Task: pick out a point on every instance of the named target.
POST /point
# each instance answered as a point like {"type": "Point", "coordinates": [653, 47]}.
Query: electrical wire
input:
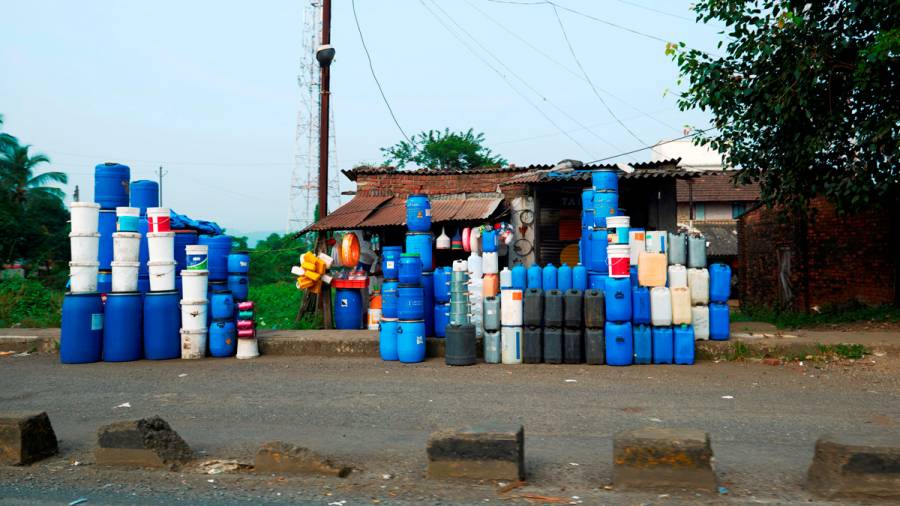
{"type": "Point", "coordinates": [374, 76]}
{"type": "Point", "coordinates": [692, 134]}
{"type": "Point", "coordinates": [651, 9]}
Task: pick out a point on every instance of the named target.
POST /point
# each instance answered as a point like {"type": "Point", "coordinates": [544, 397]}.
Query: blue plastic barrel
{"type": "Point", "coordinates": [410, 302]}
{"type": "Point", "coordinates": [489, 241]}
{"type": "Point", "coordinates": [348, 308]}
{"type": "Point", "coordinates": [390, 261]}
{"type": "Point", "coordinates": [587, 200]}
{"type": "Point", "coordinates": [719, 283]}
{"type": "Point", "coordinates": [410, 268]}
{"type": "Point", "coordinates": [519, 277]}
{"type": "Point", "coordinates": [144, 194]}
{"type": "Point", "coordinates": [441, 319]}
{"type": "Point", "coordinates": [606, 204]}
{"type": "Point", "coordinates": [663, 345]}
{"type": "Point", "coordinates": [111, 185]}
{"type": "Point", "coordinates": [143, 249]}
{"type": "Point", "coordinates": [587, 217]}
{"type": "Point", "coordinates": [598, 258]}
{"type": "Point", "coordinates": [183, 238]}
{"type": "Point", "coordinates": [619, 343]}
{"type": "Point", "coordinates": [122, 327]}
{"type": "Point", "coordinates": [162, 321]}
{"type": "Point", "coordinates": [221, 304]}
{"type": "Point", "coordinates": [442, 276]}
{"type": "Point", "coordinates": [597, 281]}
{"type": "Point", "coordinates": [222, 338]}
{"type": "Point", "coordinates": [418, 213]}
{"type": "Point", "coordinates": [618, 299]}
{"type": "Point", "coordinates": [633, 275]}
{"type": "Point", "coordinates": [389, 298]}
{"type": "Point", "coordinates": [643, 344]}
{"type": "Point", "coordinates": [549, 277]}
{"type": "Point", "coordinates": [219, 248]}
{"type": "Point", "coordinates": [579, 277]}
{"type": "Point", "coordinates": [421, 243]}
{"type": "Point", "coordinates": [605, 180]}
{"type": "Point", "coordinates": [238, 262]}
{"type": "Point", "coordinates": [428, 302]}
{"type": "Point", "coordinates": [143, 284]}
{"type": "Point", "coordinates": [564, 278]}
{"type": "Point", "coordinates": [104, 281]}
{"type": "Point", "coordinates": [411, 341]}
{"type": "Point", "coordinates": [239, 284]}
{"type": "Point", "coordinates": [640, 305]}
{"type": "Point", "coordinates": [535, 276]}
{"type": "Point", "coordinates": [107, 227]}
{"type": "Point", "coordinates": [387, 339]}
{"type": "Point", "coordinates": [684, 345]}
{"type": "Point", "coordinates": [81, 336]}
{"type": "Point", "coordinates": [719, 328]}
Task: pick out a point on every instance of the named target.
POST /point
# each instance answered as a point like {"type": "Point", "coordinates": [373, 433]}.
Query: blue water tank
{"type": "Point", "coordinates": [239, 284]}
{"type": "Point", "coordinates": [219, 247]}
{"type": "Point", "coordinates": [618, 299]}
{"type": "Point", "coordinates": [535, 275]}
{"type": "Point", "coordinates": [107, 227]}
{"type": "Point", "coordinates": [390, 261]}
{"type": "Point", "coordinates": [663, 345]}
{"type": "Point", "coordinates": [122, 327]}
{"type": "Point", "coordinates": [221, 304]}
{"type": "Point", "coordinates": [222, 338]}
{"type": "Point", "coordinates": [605, 205]}
{"type": "Point", "coordinates": [144, 194]}
{"type": "Point", "coordinates": [348, 309]}
{"type": "Point", "coordinates": [564, 278]}
{"type": "Point", "coordinates": [605, 180]}
{"type": "Point", "coordinates": [619, 343]}
{"type": "Point", "coordinates": [183, 238]}
{"type": "Point", "coordinates": [81, 335]}
{"type": "Point", "coordinates": [410, 302]}
{"type": "Point", "coordinates": [597, 281]}
{"type": "Point", "coordinates": [579, 277]}
{"type": "Point", "coordinates": [410, 268]}
{"type": "Point", "coordinates": [549, 277]}
{"type": "Point", "coordinates": [442, 277]}
{"type": "Point", "coordinates": [418, 213]}
{"type": "Point", "coordinates": [387, 339]}
{"type": "Point", "coordinates": [441, 319]}
{"type": "Point", "coordinates": [411, 341]}
{"type": "Point", "coordinates": [519, 277]}
{"type": "Point", "coordinates": [389, 298]}
{"type": "Point", "coordinates": [599, 242]}
{"type": "Point", "coordinates": [640, 305]}
{"type": "Point", "coordinates": [684, 345]}
{"type": "Point", "coordinates": [643, 344]}
{"type": "Point", "coordinates": [104, 281]}
{"type": "Point", "coordinates": [489, 241]}
{"type": "Point", "coordinates": [422, 244]}
{"type": "Point", "coordinates": [428, 302]}
{"type": "Point", "coordinates": [162, 321]}
{"type": "Point", "coordinates": [238, 262]}
{"type": "Point", "coordinates": [719, 283]}
{"type": "Point", "coordinates": [719, 328]}
{"type": "Point", "coordinates": [111, 185]}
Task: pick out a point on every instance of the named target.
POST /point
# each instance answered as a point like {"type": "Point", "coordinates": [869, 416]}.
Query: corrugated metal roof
{"type": "Point", "coordinates": [383, 211]}
{"type": "Point", "coordinates": [367, 170]}
{"type": "Point", "coordinates": [716, 186]}
{"type": "Point", "coordinates": [644, 170]}
{"type": "Point", "coordinates": [350, 214]}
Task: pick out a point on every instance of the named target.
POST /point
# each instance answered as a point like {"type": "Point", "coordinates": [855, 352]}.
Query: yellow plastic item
{"type": "Point", "coordinates": [308, 266]}
{"type": "Point", "coordinates": [305, 283]}
{"type": "Point", "coordinates": [681, 305]}
{"type": "Point", "coordinates": [652, 269]}
{"type": "Point", "coordinates": [313, 275]}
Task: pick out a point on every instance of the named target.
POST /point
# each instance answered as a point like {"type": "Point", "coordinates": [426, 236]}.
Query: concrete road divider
{"type": "Point", "coordinates": [856, 466]}
{"type": "Point", "coordinates": [284, 458]}
{"type": "Point", "coordinates": [26, 438]}
{"type": "Point", "coordinates": [489, 452]}
{"type": "Point", "coordinates": [654, 458]}
{"type": "Point", "coordinates": [148, 442]}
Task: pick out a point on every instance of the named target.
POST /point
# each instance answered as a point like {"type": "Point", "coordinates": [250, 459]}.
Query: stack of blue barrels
{"type": "Point", "coordinates": [111, 183]}
{"type": "Point", "coordinates": [387, 329]}
{"type": "Point", "coordinates": [221, 313]}
{"type": "Point", "coordinates": [420, 241]}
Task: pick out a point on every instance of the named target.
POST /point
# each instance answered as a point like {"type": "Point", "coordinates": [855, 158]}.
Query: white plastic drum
{"type": "Point", "coordinates": [126, 246]}
{"type": "Point", "coordinates": [490, 262]}
{"type": "Point", "coordinates": [677, 276]}
{"type": "Point", "coordinates": [511, 345]}
{"type": "Point", "coordinates": [193, 344]}
{"type": "Point", "coordinates": [124, 276]}
{"type": "Point", "coordinates": [85, 217]}
{"type": "Point", "coordinates": [85, 246]}
{"type": "Point", "coordinates": [194, 284]}
{"type": "Point", "coordinates": [193, 314]}
{"type": "Point", "coordinates": [161, 246]}
{"type": "Point", "coordinates": [83, 276]}
{"type": "Point", "coordinates": [511, 307]}
{"type": "Point", "coordinates": [162, 276]}
{"type": "Point", "coordinates": [660, 306]}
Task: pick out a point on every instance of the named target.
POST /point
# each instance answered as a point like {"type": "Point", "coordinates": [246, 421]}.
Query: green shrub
{"type": "Point", "coordinates": [28, 303]}
{"type": "Point", "coordinates": [276, 306]}
{"type": "Point", "coordinates": [826, 316]}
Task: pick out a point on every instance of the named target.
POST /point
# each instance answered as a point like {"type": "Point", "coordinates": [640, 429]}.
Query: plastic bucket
{"type": "Point", "coordinates": [617, 229]}
{"type": "Point", "coordinates": [194, 284]}
{"type": "Point", "coordinates": [85, 246]}
{"type": "Point", "coordinates": [126, 246]}
{"type": "Point", "coordinates": [162, 276]}
{"type": "Point", "coordinates": [619, 257]}
{"type": "Point", "coordinates": [161, 246]}
{"type": "Point", "coordinates": [197, 257]}
{"type": "Point", "coordinates": [158, 219]}
{"type": "Point", "coordinates": [247, 347]}
{"type": "Point", "coordinates": [128, 219]}
{"type": "Point", "coordinates": [85, 217]}
{"type": "Point", "coordinates": [193, 315]}
{"type": "Point", "coordinates": [193, 342]}
{"type": "Point", "coordinates": [124, 276]}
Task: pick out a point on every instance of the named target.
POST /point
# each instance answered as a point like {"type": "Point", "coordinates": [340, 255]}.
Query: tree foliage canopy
{"type": "Point", "coordinates": [443, 150]}
{"type": "Point", "coordinates": [806, 98]}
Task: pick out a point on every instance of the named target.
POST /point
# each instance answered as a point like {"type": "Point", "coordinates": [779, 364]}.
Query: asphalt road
{"type": "Point", "coordinates": [763, 421]}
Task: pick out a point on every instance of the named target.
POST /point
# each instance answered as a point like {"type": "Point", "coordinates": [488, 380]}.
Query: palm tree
{"type": "Point", "coordinates": [17, 173]}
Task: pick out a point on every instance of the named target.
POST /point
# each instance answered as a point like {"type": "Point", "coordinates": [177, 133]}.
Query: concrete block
{"type": "Point", "coordinates": [148, 442]}
{"type": "Point", "coordinates": [653, 457]}
{"type": "Point", "coordinates": [856, 465]}
{"type": "Point", "coordinates": [284, 458]}
{"type": "Point", "coordinates": [488, 452]}
{"type": "Point", "coordinates": [26, 438]}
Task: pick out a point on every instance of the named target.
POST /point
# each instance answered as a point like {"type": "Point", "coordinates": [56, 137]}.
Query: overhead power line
{"type": "Point", "coordinates": [658, 11]}
{"type": "Point", "coordinates": [633, 151]}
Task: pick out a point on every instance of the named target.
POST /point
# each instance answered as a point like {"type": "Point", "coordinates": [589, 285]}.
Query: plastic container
{"type": "Point", "coordinates": [573, 314]}
{"type": "Point", "coordinates": [411, 341]}
{"type": "Point", "coordinates": [584, 246]}
{"type": "Point", "coordinates": [111, 185]}
{"type": "Point", "coordinates": [719, 324]}
{"type": "Point", "coordinates": [594, 309]}
{"type": "Point", "coordinates": [85, 217]}
{"type": "Point", "coordinates": [81, 334]}
{"type": "Point", "coordinates": [619, 343]}
{"type": "Point", "coordinates": [158, 219]}
{"type": "Point", "coordinates": [719, 282]}
{"type": "Point", "coordinates": [681, 305]}
{"type": "Point", "coordinates": [421, 243]}
{"type": "Point", "coordinates": [239, 284]}
{"type": "Point", "coordinates": [247, 325]}
{"type": "Point", "coordinates": [84, 247]}
{"type": "Point", "coordinates": [532, 343]}
{"type": "Point", "coordinates": [490, 262]}
{"type": "Point", "coordinates": [605, 180]}
{"type": "Point", "coordinates": [144, 194]}
{"type": "Point", "coordinates": [238, 262]}
{"type": "Point", "coordinates": [125, 276]}
{"type": "Point", "coordinates": [597, 281]}
{"type": "Point", "coordinates": [594, 346]}
{"type": "Point", "coordinates": [518, 278]}
{"type": "Point", "coordinates": [550, 277]}
{"type": "Point", "coordinates": [677, 251]}
{"type": "Point", "coordinates": [104, 281]}
{"type": "Point", "coordinates": [83, 277]}
{"type": "Point", "coordinates": [106, 225]}
{"type": "Point", "coordinates": [643, 344]}
{"type": "Point", "coordinates": [652, 269]}
{"type": "Point", "coordinates": [700, 322]}
{"type": "Point", "coordinates": [410, 268]}
{"type": "Point", "coordinates": [635, 245]}
{"type": "Point", "coordinates": [387, 339]}
{"type": "Point", "coordinates": [579, 277]}
{"type": "Point", "coordinates": [442, 284]}
{"type": "Point", "coordinates": [684, 345]}
{"type": "Point", "coordinates": [193, 343]}
{"type": "Point", "coordinates": [573, 344]}
{"type": "Point", "coordinates": [222, 338]}
{"type": "Point", "coordinates": [663, 345]}
{"type": "Point", "coordinates": [606, 204]}
{"type": "Point", "coordinates": [428, 302]}
{"type": "Point", "coordinates": [418, 213]}
{"type": "Point", "coordinates": [411, 302]}
{"type": "Point", "coordinates": [619, 257]}
{"type": "Point", "coordinates": [640, 305]}
{"type": "Point", "coordinates": [660, 306]}
{"type": "Point", "coordinates": [618, 299]}
{"type": "Point", "coordinates": [126, 246]}
{"type": "Point", "coordinates": [441, 319]}
{"type": "Point", "coordinates": [247, 347]}
{"type": "Point", "coordinates": [553, 345]}
{"type": "Point", "coordinates": [698, 282]}
{"type": "Point", "coordinates": [347, 309]}
{"type": "Point", "coordinates": [128, 219]}
{"type": "Point", "coordinates": [161, 246]}
{"type": "Point", "coordinates": [162, 275]}
{"type": "Point", "coordinates": [599, 261]}
{"type": "Point", "coordinates": [218, 248]}
{"type": "Point", "coordinates": [123, 327]}
{"type": "Point", "coordinates": [677, 276]}
{"type": "Point", "coordinates": [553, 308]}
{"type": "Point", "coordinates": [533, 311]}
{"type": "Point", "coordinates": [696, 251]}
{"type": "Point", "coordinates": [617, 228]}
{"type": "Point", "coordinates": [194, 284]}
{"type": "Point", "coordinates": [511, 308]}
{"type": "Point", "coordinates": [389, 298]}
{"type": "Point", "coordinates": [490, 285]}
{"type": "Point", "coordinates": [197, 257]}
{"type": "Point", "coordinates": [633, 275]}
{"type": "Point", "coordinates": [459, 348]}
{"type": "Point", "coordinates": [511, 345]}
{"type": "Point", "coordinates": [460, 266]}
{"type": "Point", "coordinates": [564, 278]}
{"type": "Point", "coordinates": [506, 278]}
{"type": "Point", "coordinates": [489, 241]}
{"type": "Point", "coordinates": [221, 304]}
{"type": "Point", "coordinates": [491, 313]}
{"type": "Point", "coordinates": [492, 340]}
{"type": "Point", "coordinates": [390, 261]}
{"type": "Point", "coordinates": [535, 277]}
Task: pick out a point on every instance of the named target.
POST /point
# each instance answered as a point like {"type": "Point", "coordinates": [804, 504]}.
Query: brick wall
{"type": "Point", "coordinates": [405, 183]}
{"type": "Point", "coordinates": [835, 259]}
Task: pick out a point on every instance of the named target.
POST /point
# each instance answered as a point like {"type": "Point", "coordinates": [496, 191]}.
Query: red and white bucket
{"type": "Point", "coordinates": [619, 257]}
{"type": "Point", "coordinates": [158, 219]}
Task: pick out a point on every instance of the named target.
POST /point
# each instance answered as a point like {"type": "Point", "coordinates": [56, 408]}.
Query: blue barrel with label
{"type": "Point", "coordinates": [389, 298]}
{"type": "Point", "coordinates": [643, 344]}
{"type": "Point", "coordinates": [390, 261]}
{"type": "Point", "coordinates": [605, 180]}
{"type": "Point", "coordinates": [684, 345]}
{"type": "Point", "coordinates": [81, 335]}
{"type": "Point", "coordinates": [719, 327]}
{"type": "Point", "coordinates": [410, 268]}
{"type": "Point", "coordinates": [719, 283]}
{"type": "Point", "coordinates": [387, 339]}
{"type": "Point", "coordinates": [441, 319]}
{"type": "Point", "coordinates": [422, 244]}
{"type": "Point", "coordinates": [418, 213]}
{"type": "Point", "coordinates": [104, 281]}
{"type": "Point", "coordinates": [663, 345]}
{"type": "Point", "coordinates": [238, 262]}
{"type": "Point", "coordinates": [219, 246]}
{"type": "Point", "coordinates": [535, 276]}
{"type": "Point", "coordinates": [411, 341]}
{"type": "Point", "coordinates": [606, 204]}
{"type": "Point", "coordinates": [183, 239]}
{"type": "Point", "coordinates": [111, 185]}
{"type": "Point", "coordinates": [640, 305]}
{"type": "Point", "coordinates": [618, 299]}
{"type": "Point", "coordinates": [410, 302]}
{"type": "Point", "coordinates": [221, 304]}
{"type": "Point", "coordinates": [122, 327]}
{"type": "Point", "coordinates": [598, 258]}
{"type": "Point", "coordinates": [549, 277]}
{"type": "Point", "coordinates": [348, 309]}
{"type": "Point", "coordinates": [162, 324]}
{"type": "Point", "coordinates": [107, 227]}
{"type": "Point", "coordinates": [619, 343]}
{"type": "Point", "coordinates": [239, 284]}
{"type": "Point", "coordinates": [222, 338]}
{"type": "Point", "coordinates": [428, 302]}
{"type": "Point", "coordinates": [144, 194]}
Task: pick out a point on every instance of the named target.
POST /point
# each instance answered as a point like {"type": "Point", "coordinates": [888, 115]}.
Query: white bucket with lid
{"type": "Point", "coordinates": [126, 246]}
{"type": "Point", "coordinates": [124, 276]}
{"type": "Point", "coordinates": [85, 246]}
{"type": "Point", "coordinates": [193, 344]}
{"type": "Point", "coordinates": [490, 262]}
{"type": "Point", "coordinates": [194, 284]}
{"type": "Point", "coordinates": [197, 257]}
{"type": "Point", "coordinates": [511, 307]}
{"type": "Point", "coordinates": [128, 219]}
{"type": "Point", "coordinates": [161, 246]}
{"type": "Point", "coordinates": [617, 228]}
{"type": "Point", "coordinates": [85, 217]}
{"type": "Point", "coordinates": [193, 314]}
{"type": "Point", "coordinates": [162, 275]}
{"type": "Point", "coordinates": [83, 276]}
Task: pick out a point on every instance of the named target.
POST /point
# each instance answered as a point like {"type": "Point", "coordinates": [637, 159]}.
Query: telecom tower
{"type": "Point", "coordinates": [304, 184]}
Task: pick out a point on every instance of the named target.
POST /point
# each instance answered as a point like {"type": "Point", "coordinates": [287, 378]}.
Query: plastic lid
{"type": "Point", "coordinates": [160, 263]}
{"type": "Point", "coordinates": [160, 234]}
{"type": "Point", "coordinates": [87, 234]}
{"type": "Point", "coordinates": [84, 204]}
{"type": "Point", "coordinates": [158, 210]}
{"type": "Point", "coordinates": [410, 255]}
{"type": "Point", "coordinates": [188, 302]}
{"type": "Point", "coordinates": [128, 211]}
{"type": "Point", "coordinates": [84, 264]}
{"type": "Point", "coordinates": [131, 235]}
{"type": "Point", "coordinates": [195, 273]}
{"type": "Point", "coordinates": [116, 263]}
{"type": "Point", "coordinates": [194, 331]}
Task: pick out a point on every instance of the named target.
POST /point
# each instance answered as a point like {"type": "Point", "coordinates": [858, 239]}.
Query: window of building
{"type": "Point", "coordinates": [737, 209]}
{"type": "Point", "coordinates": [699, 211]}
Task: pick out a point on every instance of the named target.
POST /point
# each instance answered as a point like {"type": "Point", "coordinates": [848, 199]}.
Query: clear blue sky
{"type": "Point", "coordinates": [208, 88]}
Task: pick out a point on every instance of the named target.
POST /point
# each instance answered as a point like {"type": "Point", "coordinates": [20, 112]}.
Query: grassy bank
{"type": "Point", "coordinates": [28, 303]}
{"type": "Point", "coordinates": [276, 307]}
{"type": "Point", "coordinates": [827, 316]}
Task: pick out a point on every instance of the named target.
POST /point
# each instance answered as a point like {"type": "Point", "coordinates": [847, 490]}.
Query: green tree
{"type": "Point", "coordinates": [443, 150]}
{"type": "Point", "coordinates": [805, 99]}
{"type": "Point", "coordinates": [17, 174]}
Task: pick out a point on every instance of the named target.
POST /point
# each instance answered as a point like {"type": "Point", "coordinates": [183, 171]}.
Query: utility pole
{"type": "Point", "coordinates": [160, 173]}
{"type": "Point", "coordinates": [324, 55]}
{"type": "Point", "coordinates": [75, 196]}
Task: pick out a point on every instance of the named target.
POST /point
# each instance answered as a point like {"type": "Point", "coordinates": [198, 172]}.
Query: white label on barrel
{"type": "Point", "coordinates": [345, 303]}
{"type": "Point", "coordinates": [428, 212]}
{"type": "Point", "coordinates": [390, 264]}
{"type": "Point", "coordinates": [243, 264]}
{"type": "Point", "coordinates": [97, 321]}
{"type": "Point", "coordinates": [419, 340]}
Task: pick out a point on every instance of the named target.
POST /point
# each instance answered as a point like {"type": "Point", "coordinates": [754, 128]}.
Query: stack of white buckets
{"type": "Point", "coordinates": [85, 243]}
{"type": "Point", "coordinates": [126, 250]}
{"type": "Point", "coordinates": [194, 304]}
